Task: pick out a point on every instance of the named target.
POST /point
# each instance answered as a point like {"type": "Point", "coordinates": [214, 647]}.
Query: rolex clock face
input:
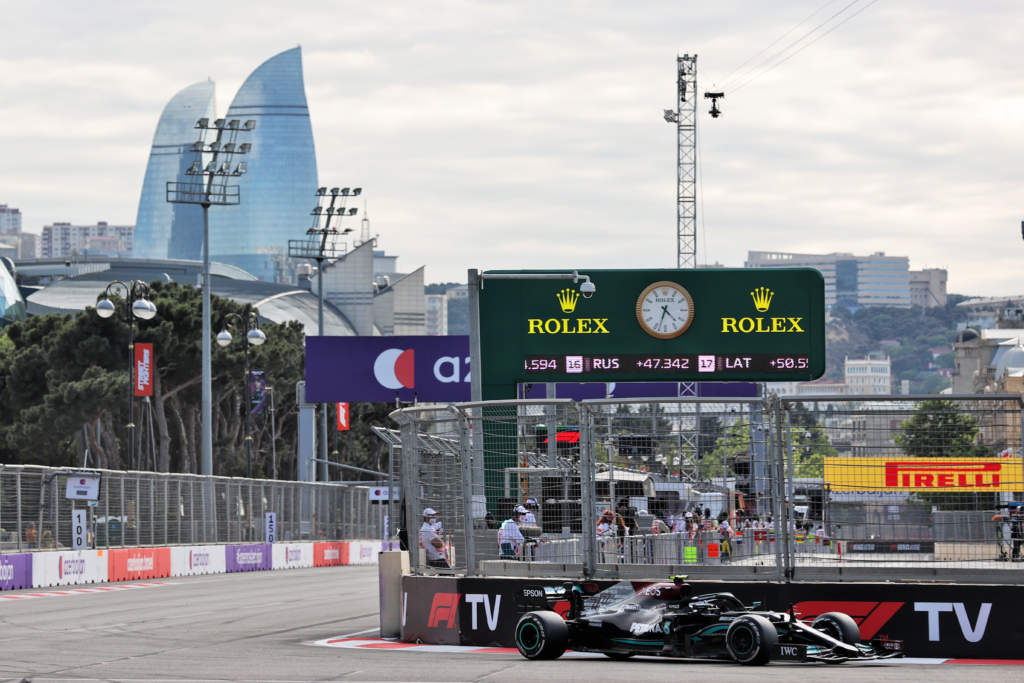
{"type": "Point", "coordinates": [664, 309]}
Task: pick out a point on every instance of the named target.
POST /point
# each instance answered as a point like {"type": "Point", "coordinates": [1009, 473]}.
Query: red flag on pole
{"type": "Point", "coordinates": [342, 417]}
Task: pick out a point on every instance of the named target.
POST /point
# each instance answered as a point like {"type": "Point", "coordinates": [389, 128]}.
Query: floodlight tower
{"type": "Point", "coordinates": [321, 245]}
{"type": "Point", "coordinates": [210, 185]}
{"type": "Point", "coordinates": [685, 117]}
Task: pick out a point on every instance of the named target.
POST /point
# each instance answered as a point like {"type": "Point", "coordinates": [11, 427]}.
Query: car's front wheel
{"type": "Point", "coordinates": [751, 639]}
{"type": "Point", "coordinates": [840, 626]}
{"type": "Point", "coordinates": [541, 635]}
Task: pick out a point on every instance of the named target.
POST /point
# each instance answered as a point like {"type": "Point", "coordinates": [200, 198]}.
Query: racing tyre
{"type": "Point", "coordinates": [541, 635]}
{"type": "Point", "coordinates": [840, 626]}
{"type": "Point", "coordinates": [751, 639]}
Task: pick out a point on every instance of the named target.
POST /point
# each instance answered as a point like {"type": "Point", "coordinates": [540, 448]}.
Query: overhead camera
{"type": "Point", "coordinates": [587, 289]}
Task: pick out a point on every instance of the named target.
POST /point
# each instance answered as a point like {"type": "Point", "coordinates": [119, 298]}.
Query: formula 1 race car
{"type": "Point", "coordinates": [665, 620]}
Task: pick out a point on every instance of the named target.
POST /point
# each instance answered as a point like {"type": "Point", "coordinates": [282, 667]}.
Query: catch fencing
{"type": "Point", "coordinates": [778, 482]}
{"type": "Point", "coordinates": [151, 508]}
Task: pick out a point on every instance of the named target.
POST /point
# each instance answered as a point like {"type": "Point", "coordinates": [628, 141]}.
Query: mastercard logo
{"type": "Point", "coordinates": [396, 368]}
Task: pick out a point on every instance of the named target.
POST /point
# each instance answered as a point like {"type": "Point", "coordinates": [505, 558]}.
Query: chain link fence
{"type": "Point", "coordinates": [789, 483]}
{"type": "Point", "coordinates": [148, 508]}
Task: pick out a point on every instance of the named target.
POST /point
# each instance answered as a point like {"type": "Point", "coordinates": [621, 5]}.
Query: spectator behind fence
{"type": "Point", "coordinates": [31, 535]}
{"type": "Point", "coordinates": [530, 519]}
{"type": "Point", "coordinates": [510, 538]}
{"type": "Point", "coordinates": [1017, 531]}
{"type": "Point", "coordinates": [431, 542]}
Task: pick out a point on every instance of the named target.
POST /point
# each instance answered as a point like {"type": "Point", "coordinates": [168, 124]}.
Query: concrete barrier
{"type": "Point", "coordinates": [15, 571]}
{"type": "Point", "coordinates": [69, 567]}
{"type": "Point", "coordinates": [330, 554]}
{"type": "Point", "coordinates": [247, 558]}
{"type": "Point", "coordinates": [932, 620]}
{"type": "Point", "coordinates": [195, 560]}
{"type": "Point", "coordinates": [131, 564]}
{"type": "Point", "coordinates": [292, 555]}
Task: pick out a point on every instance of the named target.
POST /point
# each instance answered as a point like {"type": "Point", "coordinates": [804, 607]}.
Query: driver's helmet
{"type": "Point", "coordinates": [662, 591]}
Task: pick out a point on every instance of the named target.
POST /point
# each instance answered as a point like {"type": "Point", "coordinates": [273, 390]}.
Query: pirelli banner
{"type": "Point", "coordinates": [976, 475]}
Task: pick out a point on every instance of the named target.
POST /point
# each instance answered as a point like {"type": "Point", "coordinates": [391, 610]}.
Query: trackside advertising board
{"type": "Point", "coordinates": [948, 620]}
{"type": "Point", "coordinates": [350, 369]}
{"type": "Point", "coordinates": [643, 325]}
{"type": "Point", "coordinates": [924, 474]}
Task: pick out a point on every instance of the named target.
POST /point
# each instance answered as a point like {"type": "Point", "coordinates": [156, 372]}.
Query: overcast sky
{"type": "Point", "coordinates": [530, 134]}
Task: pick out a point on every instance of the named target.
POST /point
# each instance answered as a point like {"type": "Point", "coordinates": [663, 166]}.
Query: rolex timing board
{"type": "Point", "coordinates": [643, 325]}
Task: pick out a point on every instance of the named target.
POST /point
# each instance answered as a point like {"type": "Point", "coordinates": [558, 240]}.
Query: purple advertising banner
{"type": "Point", "coordinates": [247, 558]}
{"type": "Point", "coordinates": [425, 368]}
{"type": "Point", "coordinates": [436, 369]}
{"type": "Point", "coordinates": [15, 571]}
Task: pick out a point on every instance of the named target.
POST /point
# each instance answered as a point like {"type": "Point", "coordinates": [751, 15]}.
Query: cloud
{"type": "Point", "coordinates": [528, 134]}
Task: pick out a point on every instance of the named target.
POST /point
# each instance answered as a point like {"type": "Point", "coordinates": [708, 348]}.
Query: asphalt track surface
{"type": "Point", "coordinates": [263, 626]}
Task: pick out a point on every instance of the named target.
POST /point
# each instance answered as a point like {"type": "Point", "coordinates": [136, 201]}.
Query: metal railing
{"type": "Point", "coordinates": [802, 482]}
{"type": "Point", "coordinates": [149, 508]}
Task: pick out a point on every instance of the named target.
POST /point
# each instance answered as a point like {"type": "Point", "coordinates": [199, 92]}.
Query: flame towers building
{"type": "Point", "coordinates": [276, 191]}
{"type": "Point", "coordinates": [165, 230]}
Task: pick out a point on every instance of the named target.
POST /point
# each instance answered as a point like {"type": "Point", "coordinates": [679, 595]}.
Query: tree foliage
{"type": "Point", "coordinates": [939, 430]}
{"type": "Point", "coordinates": [64, 389]}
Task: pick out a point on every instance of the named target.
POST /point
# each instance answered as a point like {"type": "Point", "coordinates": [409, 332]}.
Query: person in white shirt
{"type": "Point", "coordinates": [529, 519]}
{"type": "Point", "coordinates": [510, 538]}
{"type": "Point", "coordinates": [431, 542]}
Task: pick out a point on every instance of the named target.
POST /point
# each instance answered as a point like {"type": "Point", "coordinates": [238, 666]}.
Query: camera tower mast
{"type": "Point", "coordinates": [685, 117]}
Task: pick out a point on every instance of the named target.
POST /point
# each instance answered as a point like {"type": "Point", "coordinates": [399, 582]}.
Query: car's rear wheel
{"type": "Point", "coordinates": [840, 626]}
{"type": "Point", "coordinates": [751, 639]}
{"type": "Point", "coordinates": [541, 635]}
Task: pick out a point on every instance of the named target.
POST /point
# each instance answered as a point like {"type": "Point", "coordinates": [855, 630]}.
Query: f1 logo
{"type": "Point", "coordinates": [445, 607]}
{"type": "Point", "coordinates": [342, 420]}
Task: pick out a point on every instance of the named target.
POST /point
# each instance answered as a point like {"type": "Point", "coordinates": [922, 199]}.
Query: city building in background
{"type": "Point", "coordinates": [10, 220]}
{"type": "Point", "coordinates": [61, 240]}
{"type": "Point", "coordinates": [278, 188]}
{"type": "Point", "coordinates": [60, 287]}
{"type": "Point", "coordinates": [928, 287]}
{"type": "Point", "coordinates": [12, 305]}
{"type": "Point", "coordinates": [166, 230]}
{"type": "Point", "coordinates": [14, 243]}
{"type": "Point", "coordinates": [399, 304]}
{"type": "Point", "coordinates": [850, 281]}
{"type": "Point", "coordinates": [436, 321]}
{"type": "Point", "coordinates": [871, 375]}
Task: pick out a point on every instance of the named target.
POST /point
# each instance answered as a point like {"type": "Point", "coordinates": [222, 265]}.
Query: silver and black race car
{"type": "Point", "coordinates": [666, 620]}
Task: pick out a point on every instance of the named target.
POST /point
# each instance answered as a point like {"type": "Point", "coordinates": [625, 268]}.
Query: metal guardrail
{"type": "Point", "coordinates": [803, 482]}
{"type": "Point", "coordinates": [150, 508]}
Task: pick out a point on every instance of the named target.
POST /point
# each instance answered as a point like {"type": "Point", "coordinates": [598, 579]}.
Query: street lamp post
{"type": "Point", "coordinates": [254, 337]}
{"type": "Point", "coordinates": [211, 188]}
{"type": "Point", "coordinates": [320, 245]}
{"type": "Point", "coordinates": [136, 306]}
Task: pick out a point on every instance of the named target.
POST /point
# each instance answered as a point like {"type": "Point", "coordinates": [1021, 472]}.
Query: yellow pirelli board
{"type": "Point", "coordinates": [924, 474]}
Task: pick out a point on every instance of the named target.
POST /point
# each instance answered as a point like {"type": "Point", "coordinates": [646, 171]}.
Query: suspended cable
{"type": "Point", "coordinates": [725, 79]}
{"type": "Point", "coordinates": [807, 44]}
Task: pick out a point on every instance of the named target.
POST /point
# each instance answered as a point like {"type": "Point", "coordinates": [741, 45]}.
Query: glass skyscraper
{"type": "Point", "coordinates": [164, 230]}
{"type": "Point", "coordinates": [277, 192]}
{"type": "Point", "coordinates": [12, 306]}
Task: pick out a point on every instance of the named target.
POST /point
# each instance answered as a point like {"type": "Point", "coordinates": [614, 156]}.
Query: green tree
{"type": "Point", "coordinates": [64, 386]}
{"type": "Point", "coordinates": [939, 430]}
